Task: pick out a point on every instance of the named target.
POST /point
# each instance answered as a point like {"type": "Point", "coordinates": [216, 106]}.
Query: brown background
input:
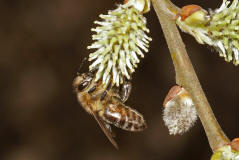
{"type": "Point", "coordinates": [42, 44]}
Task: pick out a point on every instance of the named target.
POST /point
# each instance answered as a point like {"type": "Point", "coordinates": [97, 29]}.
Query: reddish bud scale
{"type": "Point", "coordinates": [126, 1]}
{"type": "Point", "coordinates": [235, 144]}
{"type": "Point", "coordinates": [172, 94]}
{"type": "Point", "coordinates": [188, 11]}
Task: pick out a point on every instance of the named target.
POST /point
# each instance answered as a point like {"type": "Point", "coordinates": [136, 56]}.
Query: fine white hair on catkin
{"type": "Point", "coordinates": [179, 114]}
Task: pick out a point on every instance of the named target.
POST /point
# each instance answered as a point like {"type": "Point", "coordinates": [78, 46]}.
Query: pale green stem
{"type": "Point", "coordinates": [185, 74]}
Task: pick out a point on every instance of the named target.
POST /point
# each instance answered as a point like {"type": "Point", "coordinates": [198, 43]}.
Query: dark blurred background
{"type": "Point", "coordinates": [42, 44]}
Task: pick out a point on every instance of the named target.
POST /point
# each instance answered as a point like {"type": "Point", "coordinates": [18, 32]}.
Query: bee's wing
{"type": "Point", "coordinates": [109, 128]}
{"type": "Point", "coordinates": [105, 129]}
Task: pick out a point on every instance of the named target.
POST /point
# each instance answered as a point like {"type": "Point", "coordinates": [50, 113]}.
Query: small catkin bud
{"type": "Point", "coordinates": [179, 112]}
{"type": "Point", "coordinates": [225, 153]}
{"type": "Point", "coordinates": [191, 12]}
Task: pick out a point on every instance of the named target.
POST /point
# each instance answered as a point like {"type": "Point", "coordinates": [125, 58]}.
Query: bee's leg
{"type": "Point", "coordinates": [105, 92]}
{"type": "Point", "coordinates": [107, 125]}
{"type": "Point", "coordinates": [109, 128]}
{"type": "Point", "coordinates": [92, 89]}
{"type": "Point", "coordinates": [109, 86]}
{"type": "Point", "coordinates": [125, 90]}
{"type": "Point", "coordinates": [103, 96]}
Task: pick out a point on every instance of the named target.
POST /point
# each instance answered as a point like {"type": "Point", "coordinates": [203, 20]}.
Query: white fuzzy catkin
{"type": "Point", "coordinates": [179, 113]}
{"type": "Point", "coordinates": [120, 39]}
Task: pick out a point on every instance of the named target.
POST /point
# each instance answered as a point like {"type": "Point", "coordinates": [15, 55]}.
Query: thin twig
{"type": "Point", "coordinates": [185, 74]}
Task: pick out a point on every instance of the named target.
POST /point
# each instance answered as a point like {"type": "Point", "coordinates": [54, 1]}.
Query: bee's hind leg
{"type": "Point", "coordinates": [125, 90]}
{"type": "Point", "coordinates": [109, 128]}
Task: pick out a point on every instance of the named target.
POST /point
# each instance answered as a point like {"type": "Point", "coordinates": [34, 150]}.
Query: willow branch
{"type": "Point", "coordinates": [185, 74]}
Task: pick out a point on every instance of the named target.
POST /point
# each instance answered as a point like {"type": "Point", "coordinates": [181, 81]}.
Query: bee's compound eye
{"type": "Point", "coordinates": [84, 83]}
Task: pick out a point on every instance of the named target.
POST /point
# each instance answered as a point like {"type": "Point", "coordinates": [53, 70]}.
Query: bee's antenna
{"type": "Point", "coordinates": [81, 65]}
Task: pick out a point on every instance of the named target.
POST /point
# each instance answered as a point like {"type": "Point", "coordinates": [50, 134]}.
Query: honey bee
{"type": "Point", "coordinates": [107, 106]}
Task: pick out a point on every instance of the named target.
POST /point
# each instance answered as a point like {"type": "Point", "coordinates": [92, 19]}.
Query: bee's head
{"type": "Point", "coordinates": [82, 81]}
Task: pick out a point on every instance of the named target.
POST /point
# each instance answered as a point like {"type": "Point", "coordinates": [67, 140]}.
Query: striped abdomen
{"type": "Point", "coordinates": [124, 117]}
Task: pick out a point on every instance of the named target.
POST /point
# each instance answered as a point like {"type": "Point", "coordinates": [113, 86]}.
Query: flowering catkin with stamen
{"type": "Point", "coordinates": [218, 28]}
{"type": "Point", "coordinates": [119, 41]}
